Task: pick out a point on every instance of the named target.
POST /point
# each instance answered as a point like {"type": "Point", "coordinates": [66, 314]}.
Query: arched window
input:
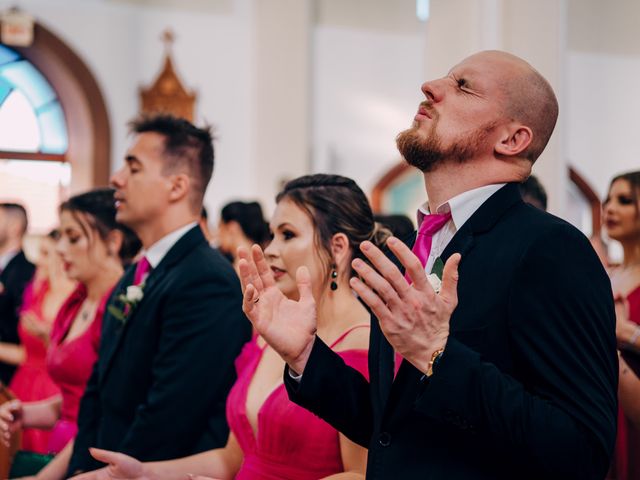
{"type": "Point", "coordinates": [31, 117]}
{"type": "Point", "coordinates": [54, 130]}
{"type": "Point", "coordinates": [33, 140]}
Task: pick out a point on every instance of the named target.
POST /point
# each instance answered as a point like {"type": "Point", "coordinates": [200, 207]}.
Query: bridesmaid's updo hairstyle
{"type": "Point", "coordinates": [335, 204]}
{"type": "Point", "coordinates": [95, 210]}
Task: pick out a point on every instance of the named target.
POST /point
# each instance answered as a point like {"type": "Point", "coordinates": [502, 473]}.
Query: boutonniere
{"type": "Point", "coordinates": [435, 277]}
{"type": "Point", "coordinates": [127, 301]}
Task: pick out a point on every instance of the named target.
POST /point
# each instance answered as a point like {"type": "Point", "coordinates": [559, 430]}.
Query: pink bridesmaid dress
{"type": "Point", "coordinates": [291, 442]}
{"type": "Point", "coordinates": [31, 382]}
{"type": "Point", "coordinates": [627, 452]}
{"type": "Point", "coordinates": [70, 363]}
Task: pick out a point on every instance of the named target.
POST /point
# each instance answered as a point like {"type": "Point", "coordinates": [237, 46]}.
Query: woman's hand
{"type": "Point", "coordinates": [35, 326]}
{"type": "Point", "coordinates": [10, 420]}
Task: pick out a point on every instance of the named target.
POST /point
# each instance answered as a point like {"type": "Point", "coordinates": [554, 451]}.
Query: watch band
{"type": "Point", "coordinates": [435, 359]}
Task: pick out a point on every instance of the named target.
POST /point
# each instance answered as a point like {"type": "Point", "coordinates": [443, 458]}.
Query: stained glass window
{"type": "Point", "coordinates": [31, 118]}
{"type": "Point", "coordinates": [33, 142]}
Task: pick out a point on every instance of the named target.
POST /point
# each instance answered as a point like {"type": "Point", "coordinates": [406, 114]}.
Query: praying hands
{"type": "Point", "coordinates": [413, 317]}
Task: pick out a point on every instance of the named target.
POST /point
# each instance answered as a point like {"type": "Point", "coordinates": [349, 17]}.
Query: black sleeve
{"type": "Point", "coordinates": [88, 420]}
{"type": "Point", "coordinates": [562, 336]}
{"type": "Point", "coordinates": [13, 286]}
{"type": "Point", "coordinates": [334, 391]}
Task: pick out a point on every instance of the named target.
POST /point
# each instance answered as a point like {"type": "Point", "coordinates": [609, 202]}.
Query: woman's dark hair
{"type": "Point", "coordinates": [634, 181]}
{"type": "Point", "coordinates": [335, 204]}
{"type": "Point", "coordinates": [250, 218]}
{"type": "Point", "coordinates": [97, 208]}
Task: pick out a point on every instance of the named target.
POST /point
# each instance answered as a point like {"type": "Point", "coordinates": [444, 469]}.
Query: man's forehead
{"type": "Point", "coordinates": [148, 141]}
{"type": "Point", "coordinates": [480, 63]}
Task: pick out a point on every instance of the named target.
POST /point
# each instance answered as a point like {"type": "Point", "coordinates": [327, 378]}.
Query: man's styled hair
{"type": "Point", "coordinates": [17, 212]}
{"type": "Point", "coordinates": [187, 148]}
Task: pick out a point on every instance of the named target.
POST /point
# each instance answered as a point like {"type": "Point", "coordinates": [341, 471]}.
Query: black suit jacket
{"type": "Point", "coordinates": [159, 387]}
{"type": "Point", "coordinates": [526, 387]}
{"type": "Point", "coordinates": [13, 280]}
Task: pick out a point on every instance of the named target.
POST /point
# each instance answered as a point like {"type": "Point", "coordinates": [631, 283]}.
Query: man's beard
{"type": "Point", "coordinates": [428, 153]}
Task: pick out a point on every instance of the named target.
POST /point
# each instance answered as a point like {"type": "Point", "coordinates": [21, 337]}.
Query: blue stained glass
{"type": "Point", "coordinates": [7, 55]}
{"type": "Point", "coordinates": [53, 129]}
{"type": "Point", "coordinates": [30, 81]}
{"type": "Point", "coordinates": [5, 90]}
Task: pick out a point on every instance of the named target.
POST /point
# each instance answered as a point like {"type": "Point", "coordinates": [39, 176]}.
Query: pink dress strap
{"type": "Point", "coordinates": [347, 332]}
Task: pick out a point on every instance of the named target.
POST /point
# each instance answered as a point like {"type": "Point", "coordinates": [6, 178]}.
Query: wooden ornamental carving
{"type": "Point", "coordinates": [167, 94]}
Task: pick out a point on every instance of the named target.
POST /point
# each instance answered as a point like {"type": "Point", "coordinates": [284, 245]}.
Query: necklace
{"type": "Point", "coordinates": [87, 308]}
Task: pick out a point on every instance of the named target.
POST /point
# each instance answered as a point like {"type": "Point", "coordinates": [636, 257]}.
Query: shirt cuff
{"type": "Point", "coordinates": [294, 376]}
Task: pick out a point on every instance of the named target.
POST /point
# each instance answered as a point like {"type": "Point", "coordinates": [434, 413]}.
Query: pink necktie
{"type": "Point", "coordinates": [142, 268]}
{"type": "Point", "coordinates": [428, 228]}
{"type": "Point", "coordinates": [421, 249]}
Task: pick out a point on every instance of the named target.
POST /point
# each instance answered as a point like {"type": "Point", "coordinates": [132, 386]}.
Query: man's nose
{"type": "Point", "coordinates": [433, 90]}
{"type": "Point", "coordinates": [116, 178]}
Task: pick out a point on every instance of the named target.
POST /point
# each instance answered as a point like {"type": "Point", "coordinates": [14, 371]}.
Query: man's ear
{"type": "Point", "coordinates": [514, 141]}
{"type": "Point", "coordinates": [180, 186]}
{"type": "Point", "coordinates": [340, 251]}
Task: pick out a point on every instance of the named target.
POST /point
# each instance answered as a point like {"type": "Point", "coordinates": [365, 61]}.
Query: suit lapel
{"type": "Point", "coordinates": [111, 326]}
{"type": "Point", "coordinates": [483, 219]}
{"type": "Point", "coordinates": [114, 330]}
{"type": "Point", "coordinates": [382, 348]}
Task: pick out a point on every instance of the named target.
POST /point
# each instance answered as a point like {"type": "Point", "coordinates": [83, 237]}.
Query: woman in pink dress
{"type": "Point", "coordinates": [319, 222]}
{"type": "Point", "coordinates": [42, 300]}
{"type": "Point", "coordinates": [93, 247]}
{"type": "Point", "coordinates": [622, 223]}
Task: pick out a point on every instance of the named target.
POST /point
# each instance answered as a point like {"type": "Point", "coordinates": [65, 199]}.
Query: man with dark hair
{"type": "Point", "coordinates": [174, 323]}
{"type": "Point", "coordinates": [534, 193]}
{"type": "Point", "coordinates": [502, 321]}
{"type": "Point", "coordinates": [15, 273]}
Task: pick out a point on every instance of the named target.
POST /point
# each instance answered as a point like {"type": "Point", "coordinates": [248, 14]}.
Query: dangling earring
{"type": "Point", "coordinates": [334, 275]}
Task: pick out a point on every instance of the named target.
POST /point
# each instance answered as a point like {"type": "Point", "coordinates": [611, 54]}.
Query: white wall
{"type": "Point", "coordinates": [603, 104]}
{"type": "Point", "coordinates": [366, 90]}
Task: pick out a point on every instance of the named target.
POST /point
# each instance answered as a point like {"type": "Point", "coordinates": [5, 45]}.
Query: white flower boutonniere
{"type": "Point", "coordinates": [128, 301]}
{"type": "Point", "coordinates": [435, 282]}
{"type": "Point", "coordinates": [134, 293]}
{"type": "Point", "coordinates": [435, 277]}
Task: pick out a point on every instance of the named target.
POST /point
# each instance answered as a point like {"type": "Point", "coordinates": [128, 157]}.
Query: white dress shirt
{"type": "Point", "coordinates": [6, 257]}
{"type": "Point", "coordinates": [461, 207]}
{"type": "Point", "coordinates": [156, 252]}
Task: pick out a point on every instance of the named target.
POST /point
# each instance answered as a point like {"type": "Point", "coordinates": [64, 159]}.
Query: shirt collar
{"type": "Point", "coordinates": [6, 257]}
{"type": "Point", "coordinates": [156, 252]}
{"type": "Point", "coordinates": [461, 206]}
